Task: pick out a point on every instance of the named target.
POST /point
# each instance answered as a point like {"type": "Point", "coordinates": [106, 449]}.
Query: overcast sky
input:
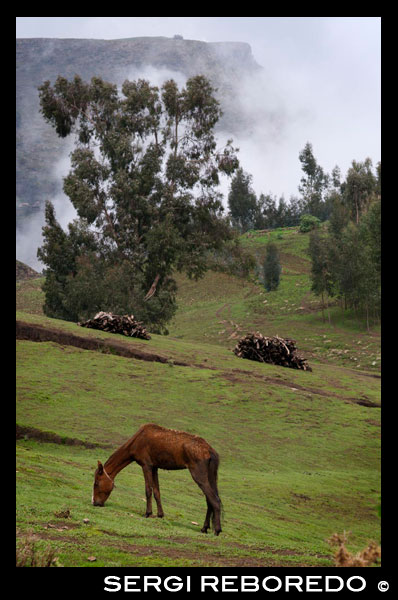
{"type": "Point", "coordinates": [322, 72]}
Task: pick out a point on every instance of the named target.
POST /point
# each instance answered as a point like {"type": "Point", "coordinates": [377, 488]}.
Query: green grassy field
{"type": "Point", "coordinates": [300, 457]}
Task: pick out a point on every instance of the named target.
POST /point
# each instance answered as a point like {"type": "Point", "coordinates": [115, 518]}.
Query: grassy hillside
{"type": "Point", "coordinates": [220, 309]}
{"type": "Point", "coordinates": [300, 451]}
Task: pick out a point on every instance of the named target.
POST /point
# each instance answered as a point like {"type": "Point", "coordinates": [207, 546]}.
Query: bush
{"type": "Point", "coordinates": [232, 259]}
{"type": "Point", "coordinates": [28, 555]}
{"type": "Point", "coordinates": [344, 558]}
{"type": "Point", "coordinates": [308, 223]}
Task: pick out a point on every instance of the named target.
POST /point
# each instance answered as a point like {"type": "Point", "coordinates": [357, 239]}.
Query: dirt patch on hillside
{"type": "Point", "coordinates": [198, 558]}
{"type": "Point", "coordinates": [362, 401]}
{"type": "Point", "coordinates": [211, 559]}
{"type": "Point", "coordinates": [23, 432]}
{"type": "Point", "coordinates": [294, 264]}
{"type": "Point", "coordinates": [38, 333]}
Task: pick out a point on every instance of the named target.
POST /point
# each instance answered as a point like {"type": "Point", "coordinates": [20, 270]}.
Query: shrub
{"type": "Point", "coordinates": [308, 222]}
{"type": "Point", "coordinates": [28, 555]}
{"type": "Point", "coordinates": [344, 558]}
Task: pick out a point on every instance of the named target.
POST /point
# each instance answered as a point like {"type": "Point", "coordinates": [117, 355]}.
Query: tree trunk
{"type": "Point", "coordinates": [327, 308]}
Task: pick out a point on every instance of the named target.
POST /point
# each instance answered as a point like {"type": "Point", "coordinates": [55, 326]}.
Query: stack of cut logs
{"type": "Point", "coordinates": [125, 325]}
{"type": "Point", "coordinates": [273, 350]}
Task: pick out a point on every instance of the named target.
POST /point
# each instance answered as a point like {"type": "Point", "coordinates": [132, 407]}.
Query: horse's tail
{"type": "Point", "coordinates": [213, 476]}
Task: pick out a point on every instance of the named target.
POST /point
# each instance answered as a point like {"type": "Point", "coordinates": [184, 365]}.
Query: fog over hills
{"type": "Point", "coordinates": [42, 158]}
{"type": "Point", "coordinates": [298, 80]}
{"type": "Point", "coordinates": [155, 59]}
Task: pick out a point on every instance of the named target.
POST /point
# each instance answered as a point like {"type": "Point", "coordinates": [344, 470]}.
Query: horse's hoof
{"type": "Point", "coordinates": [147, 515]}
{"type": "Point", "coordinates": [160, 516]}
{"type": "Point", "coordinates": [204, 530]}
{"type": "Point", "coordinates": [217, 532]}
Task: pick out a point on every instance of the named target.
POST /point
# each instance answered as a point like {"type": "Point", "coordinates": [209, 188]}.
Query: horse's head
{"type": "Point", "coordinates": [103, 485]}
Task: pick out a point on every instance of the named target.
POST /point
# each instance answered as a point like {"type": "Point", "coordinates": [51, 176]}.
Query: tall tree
{"type": "Point", "coordinates": [322, 282]}
{"type": "Point", "coordinates": [356, 264]}
{"type": "Point", "coordinates": [271, 267]}
{"type": "Point", "coordinates": [268, 210]}
{"type": "Point", "coordinates": [144, 182]}
{"type": "Point", "coordinates": [242, 202]}
{"type": "Point", "coordinates": [347, 262]}
{"type": "Point", "coordinates": [359, 187]}
{"type": "Point", "coordinates": [313, 183]}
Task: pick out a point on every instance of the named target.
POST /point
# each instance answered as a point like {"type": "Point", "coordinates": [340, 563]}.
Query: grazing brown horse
{"type": "Point", "coordinates": [154, 447]}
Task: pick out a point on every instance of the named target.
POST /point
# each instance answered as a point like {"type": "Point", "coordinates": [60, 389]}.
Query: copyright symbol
{"type": "Point", "coordinates": [383, 586]}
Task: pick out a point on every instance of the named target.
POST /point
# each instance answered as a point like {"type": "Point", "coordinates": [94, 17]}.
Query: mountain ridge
{"type": "Point", "coordinates": [39, 150]}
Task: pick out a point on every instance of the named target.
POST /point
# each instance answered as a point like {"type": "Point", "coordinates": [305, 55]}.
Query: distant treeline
{"type": "Point", "coordinates": [319, 193]}
{"type": "Point", "coordinates": [346, 255]}
{"type": "Point", "coordinates": [346, 251]}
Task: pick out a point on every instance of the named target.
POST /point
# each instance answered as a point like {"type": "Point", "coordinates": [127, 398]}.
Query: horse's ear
{"type": "Point", "coordinates": [100, 468]}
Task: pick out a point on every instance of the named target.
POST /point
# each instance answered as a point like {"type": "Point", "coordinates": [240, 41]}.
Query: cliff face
{"type": "Point", "coordinates": [38, 59]}
{"type": "Point", "coordinates": [49, 57]}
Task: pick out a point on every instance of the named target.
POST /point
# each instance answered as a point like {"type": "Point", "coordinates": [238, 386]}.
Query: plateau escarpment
{"type": "Point", "coordinates": [40, 151]}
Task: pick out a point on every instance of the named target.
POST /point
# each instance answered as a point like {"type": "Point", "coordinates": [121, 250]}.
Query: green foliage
{"type": "Point", "coordinates": [322, 282]}
{"type": "Point", "coordinates": [360, 187]}
{"type": "Point", "coordinates": [339, 216]}
{"type": "Point", "coordinates": [247, 212]}
{"type": "Point", "coordinates": [321, 269]}
{"type": "Point", "coordinates": [313, 184]}
{"type": "Point", "coordinates": [242, 202]}
{"type": "Point", "coordinates": [347, 261]}
{"type": "Point", "coordinates": [308, 223]}
{"type": "Point", "coordinates": [232, 259]}
{"type": "Point", "coordinates": [359, 276]}
{"type": "Point", "coordinates": [371, 234]}
{"type": "Point", "coordinates": [271, 268]}
{"type": "Point", "coordinates": [143, 181]}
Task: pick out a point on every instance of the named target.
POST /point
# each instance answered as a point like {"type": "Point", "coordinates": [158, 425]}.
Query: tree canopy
{"type": "Point", "coordinates": [144, 182]}
{"type": "Point", "coordinates": [271, 267]}
{"type": "Point", "coordinates": [242, 202]}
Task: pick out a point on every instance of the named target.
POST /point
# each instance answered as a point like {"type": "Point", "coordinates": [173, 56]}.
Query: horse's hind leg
{"type": "Point", "coordinates": [200, 476]}
{"type": "Point", "coordinates": [209, 512]}
{"type": "Point", "coordinates": [156, 491]}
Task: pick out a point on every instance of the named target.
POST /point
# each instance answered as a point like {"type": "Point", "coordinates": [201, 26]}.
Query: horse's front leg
{"type": "Point", "coordinates": [148, 489]}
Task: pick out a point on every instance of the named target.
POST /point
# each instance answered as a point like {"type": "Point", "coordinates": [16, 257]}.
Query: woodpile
{"type": "Point", "coordinates": [272, 350]}
{"type": "Point", "coordinates": [125, 325]}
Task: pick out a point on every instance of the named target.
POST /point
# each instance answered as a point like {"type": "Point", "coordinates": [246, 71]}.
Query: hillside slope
{"type": "Point", "coordinates": [221, 308]}
{"type": "Point", "coordinates": [300, 451]}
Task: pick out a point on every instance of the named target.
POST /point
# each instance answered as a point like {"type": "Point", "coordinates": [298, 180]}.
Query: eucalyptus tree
{"type": "Point", "coordinates": [360, 187]}
{"type": "Point", "coordinates": [242, 202]}
{"type": "Point", "coordinates": [321, 251]}
{"type": "Point", "coordinates": [144, 180]}
{"type": "Point", "coordinates": [313, 184]}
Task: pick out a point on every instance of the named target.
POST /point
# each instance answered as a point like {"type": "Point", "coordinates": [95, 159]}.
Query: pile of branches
{"type": "Point", "coordinates": [273, 350]}
{"type": "Point", "coordinates": [125, 325]}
